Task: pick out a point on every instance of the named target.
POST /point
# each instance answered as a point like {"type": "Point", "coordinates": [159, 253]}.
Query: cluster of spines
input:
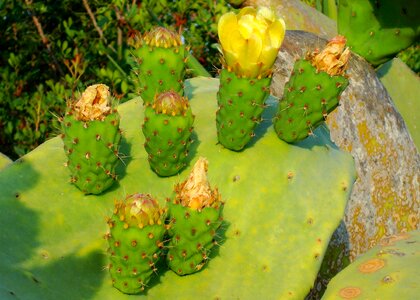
{"type": "Point", "coordinates": [92, 149]}
{"type": "Point", "coordinates": [134, 249]}
{"type": "Point", "coordinates": [241, 102]}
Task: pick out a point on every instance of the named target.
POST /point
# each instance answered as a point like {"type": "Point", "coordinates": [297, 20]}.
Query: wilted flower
{"type": "Point", "coordinates": [251, 40]}
{"type": "Point", "coordinates": [94, 104]}
{"type": "Point", "coordinates": [196, 192]}
{"type": "Point", "coordinates": [333, 58]}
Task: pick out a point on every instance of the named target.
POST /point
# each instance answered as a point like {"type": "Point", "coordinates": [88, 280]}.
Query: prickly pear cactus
{"type": "Point", "coordinates": [282, 204]}
{"type": "Point", "coordinates": [312, 91]}
{"type": "Point", "coordinates": [388, 271]}
{"type": "Point", "coordinates": [91, 137]}
{"type": "Point", "coordinates": [135, 242]}
{"type": "Point", "coordinates": [195, 217]}
{"type": "Point", "coordinates": [378, 30]}
{"type": "Point", "coordinates": [158, 63]}
{"type": "Point", "coordinates": [167, 129]}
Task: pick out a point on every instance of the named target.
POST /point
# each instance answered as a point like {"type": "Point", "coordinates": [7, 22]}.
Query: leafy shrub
{"type": "Point", "coordinates": [52, 49]}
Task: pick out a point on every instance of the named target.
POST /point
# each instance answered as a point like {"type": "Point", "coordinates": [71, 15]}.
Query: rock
{"type": "Point", "coordinates": [403, 85]}
{"type": "Point", "coordinates": [299, 16]}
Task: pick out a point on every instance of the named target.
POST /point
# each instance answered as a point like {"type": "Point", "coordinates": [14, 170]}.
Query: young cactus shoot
{"type": "Point", "coordinates": [91, 137]}
{"type": "Point", "coordinates": [312, 91]}
{"type": "Point", "coordinates": [158, 63]}
{"type": "Point", "coordinates": [167, 129]}
{"type": "Point", "coordinates": [135, 242]}
{"type": "Point", "coordinates": [195, 216]}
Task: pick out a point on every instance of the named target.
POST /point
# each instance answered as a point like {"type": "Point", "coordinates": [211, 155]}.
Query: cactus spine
{"type": "Point", "coordinates": [135, 242]}
{"type": "Point", "coordinates": [91, 139]}
{"type": "Point", "coordinates": [167, 129]}
{"type": "Point", "coordinates": [312, 91]}
{"type": "Point", "coordinates": [158, 63]}
{"type": "Point", "coordinates": [195, 216]}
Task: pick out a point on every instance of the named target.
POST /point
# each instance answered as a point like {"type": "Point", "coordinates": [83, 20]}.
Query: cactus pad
{"type": "Point", "coordinates": [388, 271]}
{"type": "Point", "coordinates": [378, 30]}
{"type": "Point", "coordinates": [282, 204]}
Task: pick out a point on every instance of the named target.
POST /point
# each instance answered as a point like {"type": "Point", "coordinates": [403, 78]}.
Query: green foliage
{"type": "Point", "coordinates": [40, 71]}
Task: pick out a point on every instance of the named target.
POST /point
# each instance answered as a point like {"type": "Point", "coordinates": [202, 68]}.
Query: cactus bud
{"type": "Point", "coordinates": [170, 103]}
{"type": "Point", "coordinates": [140, 210]}
{"type": "Point", "coordinates": [162, 37]}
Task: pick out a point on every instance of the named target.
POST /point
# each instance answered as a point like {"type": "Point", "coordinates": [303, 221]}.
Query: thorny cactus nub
{"type": "Point", "coordinates": [91, 137]}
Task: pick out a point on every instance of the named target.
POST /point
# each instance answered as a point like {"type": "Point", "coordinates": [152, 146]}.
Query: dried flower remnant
{"type": "Point", "coordinates": [333, 58]}
{"type": "Point", "coordinates": [196, 192]}
{"type": "Point", "coordinates": [94, 104]}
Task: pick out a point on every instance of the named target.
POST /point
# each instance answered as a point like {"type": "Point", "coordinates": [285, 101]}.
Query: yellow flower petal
{"type": "Point", "coordinates": [249, 57]}
{"type": "Point", "coordinates": [276, 32]}
{"type": "Point", "coordinates": [227, 23]}
{"type": "Point", "coordinates": [246, 26]}
{"type": "Point", "coordinates": [266, 13]}
{"type": "Point", "coordinates": [247, 10]}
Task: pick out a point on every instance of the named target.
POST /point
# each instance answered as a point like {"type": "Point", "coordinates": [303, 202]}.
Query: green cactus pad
{"type": "Point", "coordinates": [241, 103]}
{"type": "Point", "coordinates": [378, 30]}
{"type": "Point", "coordinates": [134, 253]}
{"type": "Point", "coordinates": [282, 204]}
{"type": "Point", "coordinates": [156, 69]}
{"type": "Point", "coordinates": [307, 99]}
{"type": "Point", "coordinates": [193, 235]}
{"type": "Point", "coordinates": [92, 151]}
{"type": "Point", "coordinates": [387, 271]}
{"type": "Point", "coordinates": [167, 140]}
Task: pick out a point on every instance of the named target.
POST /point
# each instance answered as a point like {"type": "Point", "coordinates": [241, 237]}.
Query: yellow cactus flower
{"type": "Point", "coordinates": [251, 40]}
{"type": "Point", "coordinates": [94, 104]}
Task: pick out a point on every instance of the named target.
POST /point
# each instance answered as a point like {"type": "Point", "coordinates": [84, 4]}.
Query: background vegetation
{"type": "Point", "coordinates": [52, 49]}
{"type": "Point", "coordinates": [49, 50]}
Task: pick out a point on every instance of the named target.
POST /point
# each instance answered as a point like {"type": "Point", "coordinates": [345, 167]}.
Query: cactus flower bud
{"type": "Point", "coordinates": [333, 58]}
{"type": "Point", "coordinates": [140, 210]}
{"type": "Point", "coordinates": [196, 192]}
{"type": "Point", "coordinates": [162, 37]}
{"type": "Point", "coordinates": [251, 40]}
{"type": "Point", "coordinates": [170, 103]}
{"type": "Point", "coordinates": [94, 104]}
